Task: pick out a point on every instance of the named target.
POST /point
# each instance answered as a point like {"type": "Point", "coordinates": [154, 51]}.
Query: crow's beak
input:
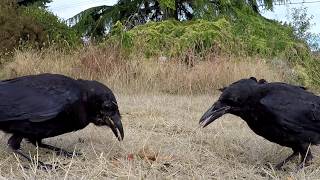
{"type": "Point", "coordinates": [216, 111]}
{"type": "Point", "coordinates": [114, 122]}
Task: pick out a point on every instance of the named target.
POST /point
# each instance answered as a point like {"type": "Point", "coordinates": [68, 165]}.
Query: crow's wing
{"type": "Point", "coordinates": [295, 111]}
{"type": "Point", "coordinates": [36, 98]}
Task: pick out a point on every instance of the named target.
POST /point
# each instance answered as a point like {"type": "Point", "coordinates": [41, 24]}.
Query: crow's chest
{"type": "Point", "coordinates": [264, 126]}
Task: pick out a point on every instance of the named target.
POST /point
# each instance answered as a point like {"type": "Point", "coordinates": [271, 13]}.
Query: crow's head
{"type": "Point", "coordinates": [232, 100]}
{"type": "Point", "coordinates": [104, 106]}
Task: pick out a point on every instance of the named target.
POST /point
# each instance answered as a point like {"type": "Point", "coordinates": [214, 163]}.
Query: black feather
{"type": "Point", "coordinates": [282, 113]}
{"type": "Point", "coordinates": [46, 105]}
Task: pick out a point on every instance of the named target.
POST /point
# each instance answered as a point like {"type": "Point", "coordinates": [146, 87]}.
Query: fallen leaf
{"type": "Point", "coordinates": [147, 154]}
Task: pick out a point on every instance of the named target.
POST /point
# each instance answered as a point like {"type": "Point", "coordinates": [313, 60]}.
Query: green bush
{"type": "Point", "coordinates": [172, 38]}
{"type": "Point", "coordinates": [32, 27]}
{"type": "Point", "coordinates": [56, 31]}
{"type": "Point", "coordinates": [248, 34]}
{"type": "Point", "coordinates": [266, 38]}
{"type": "Point", "coordinates": [15, 29]}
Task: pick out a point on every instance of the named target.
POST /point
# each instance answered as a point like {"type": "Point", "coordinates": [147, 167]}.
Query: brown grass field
{"type": "Point", "coordinates": [160, 104]}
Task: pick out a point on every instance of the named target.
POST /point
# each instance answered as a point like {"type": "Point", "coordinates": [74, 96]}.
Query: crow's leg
{"type": "Point", "coordinates": [306, 156]}
{"type": "Point", "coordinates": [14, 143]}
{"type": "Point", "coordinates": [294, 154]}
{"type": "Point", "coordinates": [58, 151]}
{"type": "Point", "coordinates": [41, 164]}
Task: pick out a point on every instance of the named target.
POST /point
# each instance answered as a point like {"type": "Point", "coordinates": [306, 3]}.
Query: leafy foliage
{"type": "Point", "coordinates": [301, 23]}
{"type": "Point", "coordinates": [95, 21]}
{"type": "Point", "coordinates": [248, 35]}
{"type": "Point", "coordinates": [172, 38]}
{"type": "Point", "coordinates": [15, 28]}
{"type": "Point", "coordinates": [56, 31]}
{"type": "Point", "coordinates": [38, 3]}
{"type": "Point", "coordinates": [31, 26]}
{"type": "Point", "coordinates": [265, 37]}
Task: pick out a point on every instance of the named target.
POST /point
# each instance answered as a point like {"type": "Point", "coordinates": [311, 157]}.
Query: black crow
{"type": "Point", "coordinates": [35, 107]}
{"type": "Point", "coordinates": [282, 113]}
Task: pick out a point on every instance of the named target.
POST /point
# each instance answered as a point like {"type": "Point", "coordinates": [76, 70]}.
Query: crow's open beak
{"type": "Point", "coordinates": [115, 124]}
{"type": "Point", "coordinates": [216, 111]}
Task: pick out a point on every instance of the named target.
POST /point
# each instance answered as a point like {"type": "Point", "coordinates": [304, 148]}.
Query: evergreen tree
{"type": "Point", "coordinates": [41, 3]}
{"type": "Point", "coordinates": [98, 20]}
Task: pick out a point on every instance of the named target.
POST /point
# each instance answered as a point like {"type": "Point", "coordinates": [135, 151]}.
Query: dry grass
{"type": "Point", "coordinates": [168, 126]}
{"type": "Point", "coordinates": [161, 103]}
{"type": "Point", "coordinates": [137, 74]}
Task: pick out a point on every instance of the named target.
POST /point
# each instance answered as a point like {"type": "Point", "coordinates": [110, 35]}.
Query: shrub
{"type": "Point", "coordinates": [32, 27]}
{"type": "Point", "coordinates": [56, 31]}
{"type": "Point", "coordinates": [15, 29]}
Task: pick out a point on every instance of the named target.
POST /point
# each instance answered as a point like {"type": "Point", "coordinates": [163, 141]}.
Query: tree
{"type": "Point", "coordinates": [134, 12]}
{"type": "Point", "coordinates": [38, 3]}
{"type": "Point", "coordinates": [97, 20]}
{"type": "Point", "coordinates": [301, 24]}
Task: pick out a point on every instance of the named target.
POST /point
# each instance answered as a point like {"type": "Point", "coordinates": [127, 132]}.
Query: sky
{"type": "Point", "coordinates": [66, 9]}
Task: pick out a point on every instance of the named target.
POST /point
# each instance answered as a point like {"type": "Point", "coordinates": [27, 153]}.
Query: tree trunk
{"type": "Point", "coordinates": [176, 10]}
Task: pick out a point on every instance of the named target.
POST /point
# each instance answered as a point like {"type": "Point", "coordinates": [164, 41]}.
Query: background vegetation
{"type": "Point", "coordinates": [32, 26]}
{"type": "Point", "coordinates": [226, 29]}
{"type": "Point", "coordinates": [164, 62]}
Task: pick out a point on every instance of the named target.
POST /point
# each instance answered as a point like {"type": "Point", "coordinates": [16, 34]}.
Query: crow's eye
{"type": "Point", "coordinates": [109, 108]}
